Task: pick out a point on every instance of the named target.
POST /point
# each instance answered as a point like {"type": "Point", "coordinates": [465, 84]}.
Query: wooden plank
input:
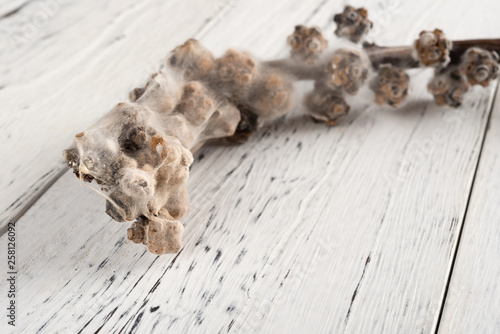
{"type": "Point", "coordinates": [473, 298]}
{"type": "Point", "coordinates": [369, 265]}
{"type": "Point", "coordinates": [303, 229]}
{"type": "Point", "coordinates": [93, 318]}
{"type": "Point", "coordinates": [66, 63]}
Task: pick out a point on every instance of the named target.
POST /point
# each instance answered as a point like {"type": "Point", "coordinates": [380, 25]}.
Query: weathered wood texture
{"type": "Point", "coordinates": [304, 229]}
{"type": "Point", "coordinates": [473, 302]}
{"type": "Point", "coordinates": [64, 63]}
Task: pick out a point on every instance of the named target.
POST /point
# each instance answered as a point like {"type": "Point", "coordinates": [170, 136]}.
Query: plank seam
{"type": "Point", "coordinates": [36, 196]}
{"type": "Point", "coordinates": [464, 218]}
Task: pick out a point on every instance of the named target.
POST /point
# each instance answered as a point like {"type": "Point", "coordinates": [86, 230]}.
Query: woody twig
{"type": "Point", "coordinates": [140, 152]}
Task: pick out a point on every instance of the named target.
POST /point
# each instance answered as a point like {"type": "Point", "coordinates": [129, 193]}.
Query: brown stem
{"type": "Point", "coordinates": [459, 47]}
{"type": "Point", "coordinates": [402, 57]}
{"type": "Point", "coordinates": [399, 56]}
{"type": "Point", "coordinates": [297, 69]}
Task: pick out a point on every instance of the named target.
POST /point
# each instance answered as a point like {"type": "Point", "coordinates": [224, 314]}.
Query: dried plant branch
{"type": "Point", "coordinates": [404, 56]}
{"type": "Point", "coordinates": [141, 151]}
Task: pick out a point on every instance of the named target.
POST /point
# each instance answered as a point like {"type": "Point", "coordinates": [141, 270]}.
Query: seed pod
{"type": "Point", "coordinates": [193, 59]}
{"type": "Point", "coordinates": [347, 71]}
{"type": "Point", "coordinates": [270, 96]}
{"type": "Point", "coordinates": [326, 105]}
{"type": "Point", "coordinates": [234, 72]}
{"type": "Point", "coordinates": [307, 44]}
{"type": "Point", "coordinates": [352, 23]}
{"type": "Point", "coordinates": [448, 87]}
{"type": "Point", "coordinates": [390, 86]}
{"type": "Point", "coordinates": [195, 104]}
{"type": "Point", "coordinates": [433, 49]}
{"type": "Point", "coordinates": [161, 235]}
{"type": "Point", "coordinates": [480, 66]}
{"type": "Point", "coordinates": [164, 237]}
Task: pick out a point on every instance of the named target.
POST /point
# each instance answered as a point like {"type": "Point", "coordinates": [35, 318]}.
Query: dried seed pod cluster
{"type": "Point", "coordinates": [139, 162]}
{"type": "Point", "coordinates": [390, 86]}
{"type": "Point", "coordinates": [433, 48]}
{"type": "Point", "coordinates": [345, 73]}
{"type": "Point", "coordinates": [449, 85]}
{"type": "Point", "coordinates": [141, 151]}
{"type": "Point", "coordinates": [307, 44]}
{"type": "Point", "coordinates": [352, 23]}
{"type": "Point", "coordinates": [265, 91]}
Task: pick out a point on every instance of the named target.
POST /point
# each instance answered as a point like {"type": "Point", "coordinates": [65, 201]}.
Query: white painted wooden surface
{"type": "Point", "coordinates": [473, 303]}
{"type": "Point", "coordinates": [302, 229]}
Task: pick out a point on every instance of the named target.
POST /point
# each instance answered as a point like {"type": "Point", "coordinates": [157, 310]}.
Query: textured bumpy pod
{"type": "Point", "coordinates": [160, 234]}
{"type": "Point", "coordinates": [390, 86]}
{"type": "Point", "coordinates": [262, 89]}
{"type": "Point", "coordinates": [270, 96]}
{"type": "Point", "coordinates": [195, 104]}
{"type": "Point", "coordinates": [480, 66]}
{"type": "Point", "coordinates": [193, 59]}
{"type": "Point", "coordinates": [139, 153]}
{"type": "Point", "coordinates": [433, 49]}
{"type": "Point", "coordinates": [448, 87]}
{"type": "Point", "coordinates": [307, 44]}
{"type": "Point", "coordinates": [352, 23]}
{"type": "Point", "coordinates": [347, 71]}
{"type": "Point", "coordinates": [325, 105]}
{"type": "Point", "coordinates": [234, 73]}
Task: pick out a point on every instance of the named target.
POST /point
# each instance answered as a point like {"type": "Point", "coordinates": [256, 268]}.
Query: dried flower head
{"type": "Point", "coordinates": [270, 96]}
{"type": "Point", "coordinates": [390, 86]}
{"type": "Point", "coordinates": [160, 234]}
{"type": "Point", "coordinates": [480, 66]}
{"type": "Point", "coordinates": [195, 104]}
{"type": "Point", "coordinates": [352, 23]}
{"type": "Point", "coordinates": [192, 58]}
{"type": "Point", "coordinates": [448, 87]}
{"type": "Point", "coordinates": [347, 71]}
{"type": "Point", "coordinates": [307, 44]}
{"type": "Point", "coordinates": [433, 49]}
{"type": "Point", "coordinates": [326, 105]}
{"type": "Point", "coordinates": [234, 72]}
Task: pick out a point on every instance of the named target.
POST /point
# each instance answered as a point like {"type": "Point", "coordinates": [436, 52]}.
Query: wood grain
{"type": "Point", "coordinates": [473, 298]}
{"type": "Point", "coordinates": [64, 66]}
{"type": "Point", "coordinates": [304, 228]}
